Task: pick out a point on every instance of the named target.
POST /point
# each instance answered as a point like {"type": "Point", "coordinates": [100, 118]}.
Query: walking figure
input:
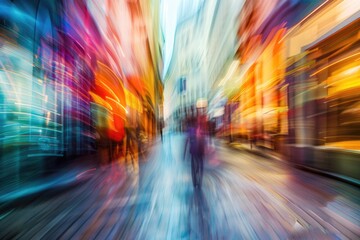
{"type": "Point", "coordinates": [129, 149]}
{"type": "Point", "coordinates": [196, 140]}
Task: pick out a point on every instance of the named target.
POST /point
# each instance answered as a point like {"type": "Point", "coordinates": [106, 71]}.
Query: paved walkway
{"type": "Point", "coordinates": [243, 197]}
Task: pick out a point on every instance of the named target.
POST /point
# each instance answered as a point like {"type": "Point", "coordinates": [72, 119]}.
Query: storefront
{"type": "Point", "coordinates": [109, 112]}
{"type": "Point", "coordinates": [336, 71]}
{"type": "Point", "coordinates": [262, 97]}
{"type": "Point", "coordinates": [324, 100]}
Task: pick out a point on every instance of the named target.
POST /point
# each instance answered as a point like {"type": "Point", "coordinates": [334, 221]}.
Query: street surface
{"type": "Point", "coordinates": [244, 196]}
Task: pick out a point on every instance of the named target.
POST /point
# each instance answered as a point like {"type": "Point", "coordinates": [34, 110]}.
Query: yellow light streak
{"type": "Point", "coordinates": [117, 102]}
{"type": "Point", "coordinates": [110, 90]}
{"type": "Point", "coordinates": [332, 64]}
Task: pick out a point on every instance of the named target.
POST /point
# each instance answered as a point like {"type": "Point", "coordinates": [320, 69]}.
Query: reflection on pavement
{"type": "Point", "coordinates": [242, 197]}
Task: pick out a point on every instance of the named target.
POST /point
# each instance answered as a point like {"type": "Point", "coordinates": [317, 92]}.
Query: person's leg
{"type": "Point", "coordinates": [139, 149]}
{"type": "Point", "coordinates": [132, 153]}
{"type": "Point", "coordinates": [126, 152]}
{"type": "Point", "coordinates": [193, 170]}
{"type": "Point", "coordinates": [201, 169]}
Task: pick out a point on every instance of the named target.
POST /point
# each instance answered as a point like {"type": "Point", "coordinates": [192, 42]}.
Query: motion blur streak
{"type": "Point", "coordinates": [179, 119]}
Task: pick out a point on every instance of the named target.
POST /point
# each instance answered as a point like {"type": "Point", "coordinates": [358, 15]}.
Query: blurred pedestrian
{"type": "Point", "coordinates": [161, 126]}
{"type": "Point", "coordinates": [212, 126]}
{"type": "Point", "coordinates": [196, 141]}
{"type": "Point", "coordinates": [129, 146]}
{"type": "Point", "coordinates": [252, 139]}
{"type": "Point", "coordinates": [139, 139]}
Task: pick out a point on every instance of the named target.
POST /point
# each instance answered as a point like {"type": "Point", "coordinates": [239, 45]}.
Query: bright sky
{"type": "Point", "coordinates": [173, 12]}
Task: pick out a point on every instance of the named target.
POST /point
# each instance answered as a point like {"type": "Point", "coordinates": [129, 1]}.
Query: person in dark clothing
{"type": "Point", "coordinates": [139, 140]}
{"type": "Point", "coordinates": [129, 145]}
{"type": "Point", "coordinates": [253, 138]}
{"type": "Point", "coordinates": [161, 126]}
{"type": "Point", "coordinates": [212, 127]}
{"type": "Point", "coordinates": [196, 140]}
